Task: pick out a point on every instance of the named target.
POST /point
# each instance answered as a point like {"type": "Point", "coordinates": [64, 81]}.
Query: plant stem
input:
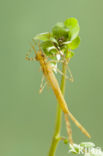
{"type": "Point", "coordinates": [56, 136]}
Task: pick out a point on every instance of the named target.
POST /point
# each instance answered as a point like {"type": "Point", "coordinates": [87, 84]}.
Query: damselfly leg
{"type": "Point", "coordinates": [68, 127]}
{"type": "Point", "coordinates": [42, 86]}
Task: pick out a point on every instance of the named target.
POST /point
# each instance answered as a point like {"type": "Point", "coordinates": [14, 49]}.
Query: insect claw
{"type": "Point", "coordinates": [71, 79]}
{"type": "Point", "coordinates": [40, 90]}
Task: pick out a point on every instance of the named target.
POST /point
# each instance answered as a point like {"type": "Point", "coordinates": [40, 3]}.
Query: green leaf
{"type": "Point", "coordinates": [60, 32]}
{"type": "Point", "coordinates": [67, 42]}
{"type": "Point", "coordinates": [73, 25]}
{"type": "Point", "coordinates": [53, 40]}
{"type": "Point", "coordinates": [48, 48]}
{"type": "Point", "coordinates": [43, 36]}
{"type": "Point", "coordinates": [74, 44]}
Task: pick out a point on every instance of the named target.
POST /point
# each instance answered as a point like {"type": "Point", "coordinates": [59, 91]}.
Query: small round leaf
{"type": "Point", "coordinates": [73, 25]}
{"type": "Point", "coordinates": [43, 36]}
{"type": "Point", "coordinates": [60, 32]}
{"type": "Point", "coordinates": [74, 44]}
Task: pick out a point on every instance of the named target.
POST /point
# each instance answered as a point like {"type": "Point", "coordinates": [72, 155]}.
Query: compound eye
{"type": "Point", "coordinates": [36, 57]}
{"type": "Point", "coordinates": [42, 55]}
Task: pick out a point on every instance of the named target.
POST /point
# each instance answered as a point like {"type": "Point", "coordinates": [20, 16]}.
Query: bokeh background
{"type": "Point", "coordinates": [27, 118]}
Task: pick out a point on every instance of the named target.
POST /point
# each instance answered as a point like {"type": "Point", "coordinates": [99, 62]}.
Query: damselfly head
{"type": "Point", "coordinates": [39, 56]}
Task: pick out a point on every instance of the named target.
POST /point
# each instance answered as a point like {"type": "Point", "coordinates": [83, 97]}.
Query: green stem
{"type": "Point", "coordinates": [56, 136]}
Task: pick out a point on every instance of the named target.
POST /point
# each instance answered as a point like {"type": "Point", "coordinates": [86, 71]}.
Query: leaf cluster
{"type": "Point", "coordinates": [63, 38]}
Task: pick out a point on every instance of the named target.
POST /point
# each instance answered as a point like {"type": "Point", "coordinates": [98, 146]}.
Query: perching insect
{"type": "Point", "coordinates": [51, 79]}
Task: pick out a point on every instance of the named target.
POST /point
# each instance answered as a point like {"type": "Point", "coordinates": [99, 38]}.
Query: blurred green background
{"type": "Point", "coordinates": [27, 118]}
